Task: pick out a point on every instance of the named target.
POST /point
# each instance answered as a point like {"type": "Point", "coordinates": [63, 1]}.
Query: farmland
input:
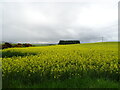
{"type": "Point", "coordinates": [61, 63]}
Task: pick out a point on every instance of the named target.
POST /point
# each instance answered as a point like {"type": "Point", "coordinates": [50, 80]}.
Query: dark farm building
{"type": "Point", "coordinates": [64, 42]}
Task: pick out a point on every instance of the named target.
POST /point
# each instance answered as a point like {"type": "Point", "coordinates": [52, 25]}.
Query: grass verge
{"type": "Point", "coordinates": [77, 82]}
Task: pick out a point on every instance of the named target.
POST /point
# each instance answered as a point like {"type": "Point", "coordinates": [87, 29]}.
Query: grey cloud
{"type": "Point", "coordinates": [57, 22]}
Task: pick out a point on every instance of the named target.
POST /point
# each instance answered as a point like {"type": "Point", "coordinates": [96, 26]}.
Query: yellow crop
{"type": "Point", "coordinates": [61, 61]}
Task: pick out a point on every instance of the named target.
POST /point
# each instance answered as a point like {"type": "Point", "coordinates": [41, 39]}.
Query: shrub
{"type": "Point", "coordinates": [6, 45]}
{"type": "Point", "coordinates": [27, 45]}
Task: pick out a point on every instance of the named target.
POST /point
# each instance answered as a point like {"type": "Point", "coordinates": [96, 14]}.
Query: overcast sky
{"type": "Point", "coordinates": [49, 21]}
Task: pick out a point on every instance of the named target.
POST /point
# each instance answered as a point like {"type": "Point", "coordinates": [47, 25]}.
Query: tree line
{"type": "Point", "coordinates": [9, 45]}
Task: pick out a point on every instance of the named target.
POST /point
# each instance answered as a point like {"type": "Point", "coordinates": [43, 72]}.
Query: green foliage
{"type": "Point", "coordinates": [75, 82]}
{"type": "Point", "coordinates": [60, 62]}
{"type": "Point", "coordinates": [69, 42]}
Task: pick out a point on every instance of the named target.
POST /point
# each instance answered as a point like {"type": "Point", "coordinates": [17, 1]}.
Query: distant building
{"type": "Point", "coordinates": [63, 42]}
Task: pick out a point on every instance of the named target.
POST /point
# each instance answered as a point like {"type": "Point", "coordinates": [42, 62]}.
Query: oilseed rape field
{"type": "Point", "coordinates": [60, 62]}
